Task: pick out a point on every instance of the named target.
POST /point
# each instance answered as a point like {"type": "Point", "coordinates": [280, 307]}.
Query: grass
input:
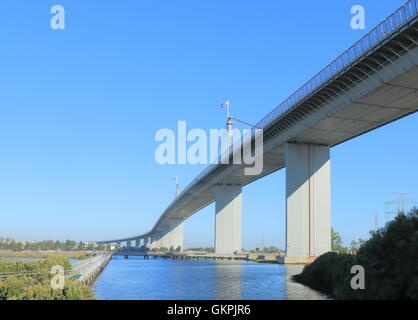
{"type": "Point", "coordinates": [43, 254]}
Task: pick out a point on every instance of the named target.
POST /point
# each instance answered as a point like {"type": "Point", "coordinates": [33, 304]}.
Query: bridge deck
{"type": "Point", "coordinates": [371, 84]}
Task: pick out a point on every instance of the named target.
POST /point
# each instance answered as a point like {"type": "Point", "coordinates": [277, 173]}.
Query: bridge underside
{"type": "Point", "coordinates": [379, 88]}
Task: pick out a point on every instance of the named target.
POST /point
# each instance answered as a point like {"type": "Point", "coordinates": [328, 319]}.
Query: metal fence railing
{"type": "Point", "coordinates": [81, 269]}
{"type": "Point", "coordinates": [88, 266]}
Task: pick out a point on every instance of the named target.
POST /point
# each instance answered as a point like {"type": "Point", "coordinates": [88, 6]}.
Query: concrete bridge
{"type": "Point", "coordinates": [125, 254]}
{"type": "Point", "coordinates": [373, 83]}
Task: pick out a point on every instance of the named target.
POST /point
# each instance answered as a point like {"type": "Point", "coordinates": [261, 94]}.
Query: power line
{"type": "Point", "coordinates": [400, 202]}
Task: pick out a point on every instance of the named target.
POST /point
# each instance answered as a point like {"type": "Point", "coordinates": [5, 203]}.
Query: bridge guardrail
{"type": "Point", "coordinates": [382, 32]}
{"type": "Point", "coordinates": [370, 41]}
{"type": "Point", "coordinates": [88, 266]}
{"type": "Point", "coordinates": [367, 44]}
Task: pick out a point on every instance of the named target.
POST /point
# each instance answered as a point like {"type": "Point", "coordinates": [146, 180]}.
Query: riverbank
{"type": "Point", "coordinates": [386, 266]}
{"type": "Point", "coordinates": [266, 261]}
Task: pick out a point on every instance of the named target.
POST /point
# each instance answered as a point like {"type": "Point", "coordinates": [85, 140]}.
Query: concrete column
{"type": "Point", "coordinates": [228, 212]}
{"type": "Point", "coordinates": [308, 202]}
{"type": "Point", "coordinates": [137, 243]}
{"type": "Point", "coordinates": [155, 242]}
{"type": "Point", "coordinates": [165, 240]}
{"type": "Point", "coordinates": [174, 237]}
{"type": "Point", "coordinates": [128, 244]}
{"type": "Point", "coordinates": [177, 237]}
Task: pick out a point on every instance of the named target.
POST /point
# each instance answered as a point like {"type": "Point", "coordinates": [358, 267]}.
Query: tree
{"type": "Point", "coordinates": [389, 258]}
{"type": "Point", "coordinates": [178, 249]}
{"type": "Point", "coordinates": [81, 246]}
{"type": "Point", "coordinates": [271, 249]}
{"type": "Point", "coordinates": [69, 245]}
{"type": "Point", "coordinates": [336, 242]}
{"type": "Point", "coordinates": [57, 245]}
{"type": "Point", "coordinates": [355, 245]}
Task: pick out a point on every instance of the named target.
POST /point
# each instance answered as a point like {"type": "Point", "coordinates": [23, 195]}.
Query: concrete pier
{"type": "Point", "coordinates": [174, 236]}
{"type": "Point", "coordinates": [308, 202]}
{"type": "Point", "coordinates": [155, 241]}
{"type": "Point", "coordinates": [228, 212]}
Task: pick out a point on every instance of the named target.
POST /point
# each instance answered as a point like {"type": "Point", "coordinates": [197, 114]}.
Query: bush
{"type": "Point", "coordinates": [36, 284]}
{"type": "Point", "coordinates": [325, 272]}
{"type": "Point", "coordinates": [389, 258]}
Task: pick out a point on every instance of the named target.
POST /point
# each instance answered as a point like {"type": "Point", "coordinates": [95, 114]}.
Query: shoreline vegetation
{"type": "Point", "coordinates": [389, 259]}
{"type": "Point", "coordinates": [31, 280]}
{"type": "Point", "coordinates": [80, 255]}
{"type": "Point", "coordinates": [50, 245]}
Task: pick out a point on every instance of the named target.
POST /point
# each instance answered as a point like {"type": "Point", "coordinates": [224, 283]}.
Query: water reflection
{"type": "Point", "coordinates": [139, 279]}
{"type": "Point", "coordinates": [227, 280]}
{"type": "Point", "coordinates": [19, 258]}
{"type": "Point", "coordinates": [297, 291]}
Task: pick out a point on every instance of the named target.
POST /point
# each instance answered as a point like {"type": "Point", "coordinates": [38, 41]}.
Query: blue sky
{"type": "Point", "coordinates": [79, 109]}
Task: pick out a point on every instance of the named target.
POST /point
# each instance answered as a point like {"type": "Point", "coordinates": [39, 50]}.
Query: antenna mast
{"type": "Point", "coordinates": [176, 179]}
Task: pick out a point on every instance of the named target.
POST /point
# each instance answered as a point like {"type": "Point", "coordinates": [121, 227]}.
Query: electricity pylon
{"type": "Point", "coordinates": [400, 201]}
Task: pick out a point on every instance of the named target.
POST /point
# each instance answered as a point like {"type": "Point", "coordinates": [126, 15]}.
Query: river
{"type": "Point", "coordinates": [138, 279]}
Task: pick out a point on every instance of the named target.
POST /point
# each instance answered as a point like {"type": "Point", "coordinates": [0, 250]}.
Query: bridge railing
{"type": "Point", "coordinates": [357, 51]}
{"type": "Point", "coordinates": [88, 266]}
{"type": "Point", "coordinates": [366, 45]}
{"type": "Point", "coordinates": [361, 49]}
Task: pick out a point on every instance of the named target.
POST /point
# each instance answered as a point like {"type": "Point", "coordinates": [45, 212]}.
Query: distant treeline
{"type": "Point", "coordinates": [69, 245]}
{"type": "Point", "coordinates": [337, 244]}
{"type": "Point", "coordinates": [271, 249]}
{"type": "Point", "coordinates": [389, 259]}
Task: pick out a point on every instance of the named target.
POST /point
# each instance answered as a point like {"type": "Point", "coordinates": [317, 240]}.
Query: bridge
{"type": "Point", "coordinates": [86, 271]}
{"type": "Point", "coordinates": [126, 253]}
{"type": "Point", "coordinates": [373, 83]}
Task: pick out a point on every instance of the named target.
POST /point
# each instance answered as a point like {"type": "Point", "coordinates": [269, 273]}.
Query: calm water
{"type": "Point", "coordinates": [19, 258]}
{"type": "Point", "coordinates": [138, 279]}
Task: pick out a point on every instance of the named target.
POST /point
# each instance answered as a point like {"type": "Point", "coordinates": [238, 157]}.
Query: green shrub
{"type": "Point", "coordinates": [36, 285]}
{"type": "Point", "coordinates": [389, 258]}
{"type": "Point", "coordinates": [325, 272]}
